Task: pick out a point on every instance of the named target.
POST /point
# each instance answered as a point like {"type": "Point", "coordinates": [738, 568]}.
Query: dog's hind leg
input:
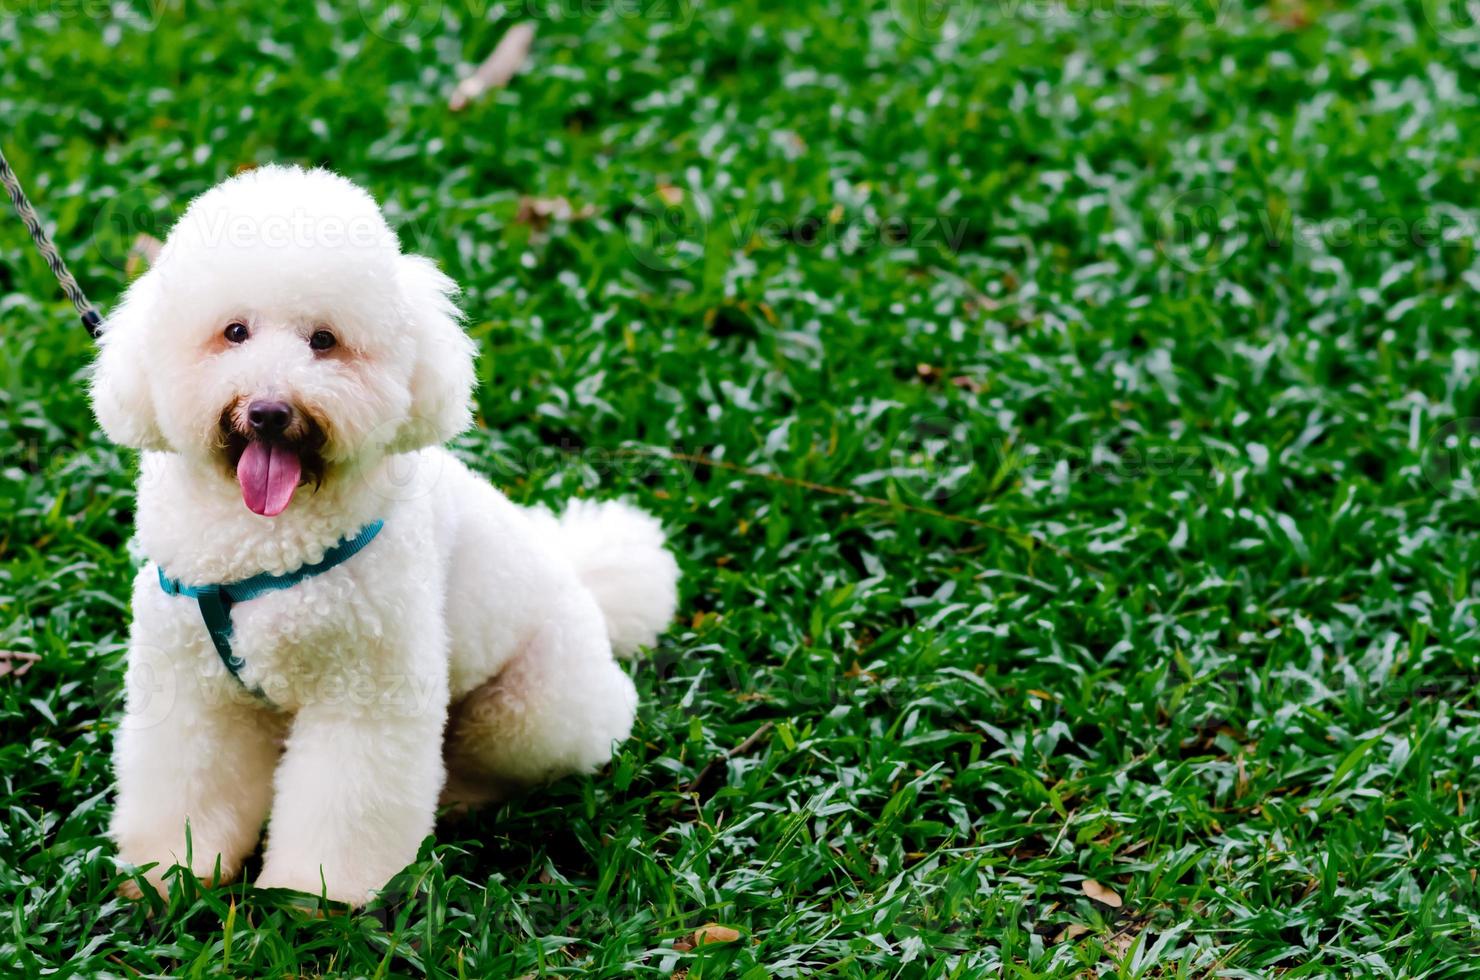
{"type": "Point", "coordinates": [557, 708]}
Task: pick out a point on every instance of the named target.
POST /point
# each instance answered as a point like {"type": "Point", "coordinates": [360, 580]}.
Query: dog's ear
{"type": "Point", "coordinates": [442, 376]}
{"type": "Point", "coordinates": [121, 398]}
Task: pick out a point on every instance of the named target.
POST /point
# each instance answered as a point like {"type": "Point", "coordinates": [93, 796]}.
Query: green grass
{"type": "Point", "coordinates": [1179, 300]}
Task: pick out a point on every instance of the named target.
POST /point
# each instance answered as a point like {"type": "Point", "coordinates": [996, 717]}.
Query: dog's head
{"type": "Point", "coordinates": [283, 335]}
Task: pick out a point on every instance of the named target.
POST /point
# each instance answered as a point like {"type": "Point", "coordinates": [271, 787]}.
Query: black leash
{"type": "Point", "coordinates": [48, 249]}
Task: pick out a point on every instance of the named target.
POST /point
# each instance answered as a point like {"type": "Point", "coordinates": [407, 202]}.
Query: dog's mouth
{"type": "Point", "coordinates": [270, 468]}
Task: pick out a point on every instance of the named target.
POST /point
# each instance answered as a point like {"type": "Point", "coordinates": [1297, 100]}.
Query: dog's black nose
{"type": "Point", "coordinates": [269, 418]}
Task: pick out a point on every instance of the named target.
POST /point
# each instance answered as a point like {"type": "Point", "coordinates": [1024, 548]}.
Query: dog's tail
{"type": "Point", "coordinates": [618, 551]}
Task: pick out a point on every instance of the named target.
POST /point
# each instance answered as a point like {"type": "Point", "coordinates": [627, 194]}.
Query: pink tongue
{"type": "Point", "coordinates": [268, 475]}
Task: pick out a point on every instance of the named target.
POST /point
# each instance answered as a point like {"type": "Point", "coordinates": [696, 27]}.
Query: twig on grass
{"type": "Point", "coordinates": [497, 70]}
{"type": "Point", "coordinates": [744, 747]}
{"type": "Point", "coordinates": [862, 498]}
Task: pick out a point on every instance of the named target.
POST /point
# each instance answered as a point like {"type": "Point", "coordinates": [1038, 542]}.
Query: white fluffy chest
{"type": "Point", "coordinates": [356, 634]}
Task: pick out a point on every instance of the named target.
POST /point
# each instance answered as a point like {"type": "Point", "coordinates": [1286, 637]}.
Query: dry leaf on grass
{"type": "Point", "coordinates": [1101, 894]}
{"type": "Point", "coordinates": [1120, 943]}
{"type": "Point", "coordinates": [497, 69]}
{"type": "Point", "coordinates": [143, 254]}
{"type": "Point", "coordinates": [713, 932]}
{"type": "Point", "coordinates": [538, 212]}
{"type": "Point", "coordinates": [1071, 932]}
{"type": "Point", "coordinates": [710, 932]}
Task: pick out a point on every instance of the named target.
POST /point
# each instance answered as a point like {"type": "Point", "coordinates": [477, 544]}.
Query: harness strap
{"type": "Point", "coordinates": [215, 609]}
{"type": "Point", "coordinates": [215, 600]}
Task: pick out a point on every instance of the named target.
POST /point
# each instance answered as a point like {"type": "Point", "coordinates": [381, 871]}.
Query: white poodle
{"type": "Point", "coordinates": [339, 622]}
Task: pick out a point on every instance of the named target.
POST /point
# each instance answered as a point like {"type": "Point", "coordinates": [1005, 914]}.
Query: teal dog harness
{"type": "Point", "coordinates": [215, 601]}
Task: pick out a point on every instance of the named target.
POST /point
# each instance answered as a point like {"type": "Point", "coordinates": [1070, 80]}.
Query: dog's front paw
{"type": "Point", "coordinates": [130, 890]}
{"type": "Point", "coordinates": [310, 881]}
{"type": "Point", "coordinates": [151, 878]}
{"type": "Point", "coordinates": [159, 878]}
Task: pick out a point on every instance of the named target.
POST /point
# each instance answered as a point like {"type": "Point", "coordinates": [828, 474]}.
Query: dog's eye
{"type": "Point", "coordinates": [322, 340]}
{"type": "Point", "coordinates": [237, 332]}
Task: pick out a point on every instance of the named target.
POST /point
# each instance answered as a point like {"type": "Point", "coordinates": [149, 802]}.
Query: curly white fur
{"type": "Point", "coordinates": [465, 606]}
